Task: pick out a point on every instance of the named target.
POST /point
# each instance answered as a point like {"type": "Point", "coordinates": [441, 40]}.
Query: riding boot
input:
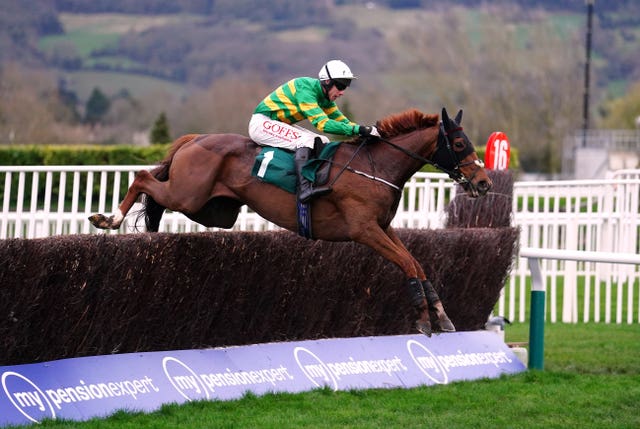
{"type": "Point", "coordinates": [441, 320]}
{"type": "Point", "coordinates": [306, 191]}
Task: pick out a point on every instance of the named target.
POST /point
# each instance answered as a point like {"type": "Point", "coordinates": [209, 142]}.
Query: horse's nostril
{"type": "Point", "coordinates": [483, 187]}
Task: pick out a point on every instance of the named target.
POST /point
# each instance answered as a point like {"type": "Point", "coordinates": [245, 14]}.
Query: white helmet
{"type": "Point", "coordinates": [335, 69]}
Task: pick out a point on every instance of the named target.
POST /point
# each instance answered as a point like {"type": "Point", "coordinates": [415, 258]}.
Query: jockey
{"type": "Point", "coordinates": [272, 122]}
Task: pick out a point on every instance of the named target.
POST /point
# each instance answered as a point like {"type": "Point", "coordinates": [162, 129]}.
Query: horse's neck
{"type": "Point", "coordinates": [421, 144]}
{"type": "Point", "coordinates": [424, 142]}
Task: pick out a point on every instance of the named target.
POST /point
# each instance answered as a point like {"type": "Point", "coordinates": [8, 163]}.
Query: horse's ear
{"type": "Point", "coordinates": [459, 117]}
{"type": "Point", "coordinates": [445, 117]}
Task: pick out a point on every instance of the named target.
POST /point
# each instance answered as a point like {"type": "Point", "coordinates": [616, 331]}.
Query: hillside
{"type": "Point", "coordinates": [181, 40]}
{"type": "Point", "coordinates": [514, 66]}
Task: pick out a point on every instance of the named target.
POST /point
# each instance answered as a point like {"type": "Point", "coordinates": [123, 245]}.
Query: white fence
{"type": "Point", "coordinates": [44, 201]}
{"type": "Point", "coordinates": [586, 215]}
{"type": "Point", "coordinates": [579, 215]}
{"type": "Point", "coordinates": [535, 256]}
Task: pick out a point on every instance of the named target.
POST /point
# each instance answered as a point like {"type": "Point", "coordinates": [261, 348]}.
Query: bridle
{"type": "Point", "coordinates": [448, 161]}
{"type": "Point", "coordinates": [454, 171]}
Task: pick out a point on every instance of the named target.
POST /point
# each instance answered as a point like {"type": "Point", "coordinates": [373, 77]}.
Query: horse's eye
{"type": "Point", "coordinates": [458, 145]}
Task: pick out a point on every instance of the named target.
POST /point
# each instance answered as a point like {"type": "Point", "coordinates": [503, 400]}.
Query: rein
{"type": "Point", "coordinates": [362, 173]}
{"type": "Point", "coordinates": [454, 174]}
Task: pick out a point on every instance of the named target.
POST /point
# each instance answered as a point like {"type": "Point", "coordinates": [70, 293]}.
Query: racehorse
{"type": "Point", "coordinates": [208, 178]}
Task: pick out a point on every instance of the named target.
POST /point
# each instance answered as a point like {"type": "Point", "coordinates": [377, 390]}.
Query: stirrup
{"type": "Point", "coordinates": [310, 193]}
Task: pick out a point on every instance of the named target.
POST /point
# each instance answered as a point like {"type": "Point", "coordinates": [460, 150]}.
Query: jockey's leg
{"type": "Point", "coordinates": [291, 137]}
{"type": "Point", "coordinates": [306, 191]}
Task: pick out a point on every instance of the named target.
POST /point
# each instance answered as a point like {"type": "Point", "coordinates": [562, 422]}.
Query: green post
{"type": "Point", "coordinates": [536, 330]}
{"type": "Point", "coordinates": [536, 324]}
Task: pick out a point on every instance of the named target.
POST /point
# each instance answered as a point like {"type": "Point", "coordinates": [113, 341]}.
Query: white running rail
{"type": "Point", "coordinates": [53, 200]}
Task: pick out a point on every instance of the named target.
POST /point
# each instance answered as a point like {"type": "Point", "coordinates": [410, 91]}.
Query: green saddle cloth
{"type": "Point", "coordinates": [276, 166]}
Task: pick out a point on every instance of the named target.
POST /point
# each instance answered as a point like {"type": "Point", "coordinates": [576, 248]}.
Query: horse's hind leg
{"type": "Point", "coordinates": [115, 220]}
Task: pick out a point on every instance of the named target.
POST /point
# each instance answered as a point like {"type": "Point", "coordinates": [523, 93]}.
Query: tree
{"type": "Point", "coordinates": [525, 84]}
{"type": "Point", "coordinates": [225, 107]}
{"type": "Point", "coordinates": [160, 131]}
{"type": "Point", "coordinates": [622, 113]}
{"type": "Point", "coordinates": [97, 107]}
{"type": "Point", "coordinates": [32, 111]}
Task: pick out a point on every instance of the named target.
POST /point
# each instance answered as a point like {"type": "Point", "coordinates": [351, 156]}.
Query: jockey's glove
{"type": "Point", "coordinates": [368, 130]}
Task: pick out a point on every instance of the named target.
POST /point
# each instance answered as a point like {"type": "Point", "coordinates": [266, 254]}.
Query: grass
{"type": "Point", "coordinates": [91, 32]}
{"type": "Point", "coordinates": [84, 41]}
{"type": "Point", "coordinates": [84, 81]}
{"type": "Point", "coordinates": [618, 294]}
{"type": "Point", "coordinates": [591, 379]}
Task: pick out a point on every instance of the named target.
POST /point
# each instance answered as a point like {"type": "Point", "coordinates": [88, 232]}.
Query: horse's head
{"type": "Point", "coordinates": [456, 156]}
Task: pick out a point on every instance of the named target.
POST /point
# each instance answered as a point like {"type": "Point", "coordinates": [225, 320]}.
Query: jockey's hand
{"type": "Point", "coordinates": [368, 130]}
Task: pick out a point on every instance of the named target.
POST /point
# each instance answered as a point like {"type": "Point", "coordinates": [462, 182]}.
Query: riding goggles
{"type": "Point", "coordinates": [341, 84]}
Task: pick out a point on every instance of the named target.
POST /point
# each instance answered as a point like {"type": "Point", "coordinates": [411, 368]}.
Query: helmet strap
{"type": "Point", "coordinates": [326, 86]}
{"type": "Point", "coordinates": [326, 67]}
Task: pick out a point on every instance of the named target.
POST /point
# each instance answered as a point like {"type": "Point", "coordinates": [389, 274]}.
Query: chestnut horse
{"type": "Point", "coordinates": [208, 178]}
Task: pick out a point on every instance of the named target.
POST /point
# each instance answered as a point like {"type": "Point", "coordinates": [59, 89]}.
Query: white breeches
{"type": "Point", "coordinates": [267, 132]}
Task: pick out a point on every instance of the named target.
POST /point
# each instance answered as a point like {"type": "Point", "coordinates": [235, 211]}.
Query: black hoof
{"type": "Point", "coordinates": [444, 326]}
{"type": "Point", "coordinates": [424, 327]}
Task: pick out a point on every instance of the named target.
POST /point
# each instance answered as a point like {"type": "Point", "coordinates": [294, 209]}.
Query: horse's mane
{"type": "Point", "coordinates": [405, 122]}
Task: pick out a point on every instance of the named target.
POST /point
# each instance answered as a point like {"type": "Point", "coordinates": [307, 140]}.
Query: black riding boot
{"type": "Point", "coordinates": [306, 191]}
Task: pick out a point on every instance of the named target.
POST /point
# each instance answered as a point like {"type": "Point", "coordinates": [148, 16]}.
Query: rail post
{"type": "Point", "coordinates": [536, 325]}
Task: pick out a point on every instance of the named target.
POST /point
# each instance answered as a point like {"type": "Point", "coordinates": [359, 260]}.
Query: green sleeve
{"type": "Point", "coordinates": [325, 116]}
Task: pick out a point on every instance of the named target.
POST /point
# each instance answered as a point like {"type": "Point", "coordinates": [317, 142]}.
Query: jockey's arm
{"type": "Point", "coordinates": [328, 119]}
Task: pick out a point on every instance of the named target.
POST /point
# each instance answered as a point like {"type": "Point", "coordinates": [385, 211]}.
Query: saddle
{"type": "Point", "coordinates": [276, 166]}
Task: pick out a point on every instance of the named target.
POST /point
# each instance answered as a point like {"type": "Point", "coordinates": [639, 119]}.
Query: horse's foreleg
{"type": "Point", "coordinates": [390, 247]}
{"type": "Point", "coordinates": [443, 322]}
{"type": "Point", "coordinates": [420, 304]}
{"type": "Point", "coordinates": [115, 220]}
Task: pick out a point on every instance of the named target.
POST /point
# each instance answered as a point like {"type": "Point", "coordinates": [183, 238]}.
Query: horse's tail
{"type": "Point", "coordinates": [152, 211]}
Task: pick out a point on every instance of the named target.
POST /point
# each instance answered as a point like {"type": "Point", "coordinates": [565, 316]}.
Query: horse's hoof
{"type": "Point", "coordinates": [444, 324]}
{"type": "Point", "coordinates": [101, 221]}
{"type": "Point", "coordinates": [423, 327]}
